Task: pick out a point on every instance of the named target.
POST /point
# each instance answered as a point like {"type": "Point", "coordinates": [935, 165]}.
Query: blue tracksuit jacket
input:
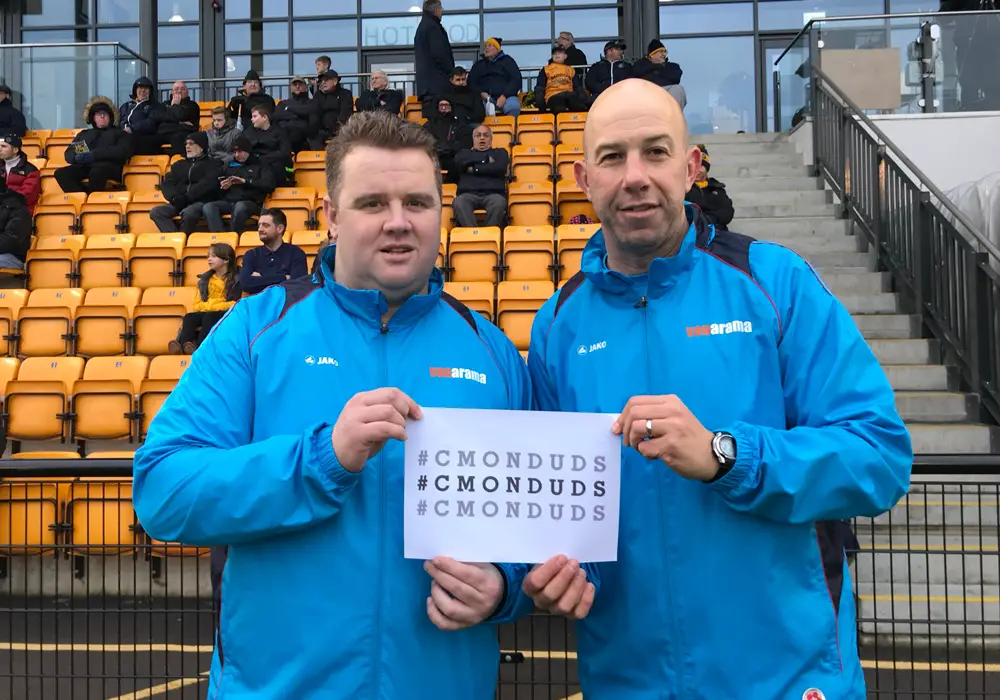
{"type": "Point", "coordinates": [317, 599]}
{"type": "Point", "coordinates": [736, 589]}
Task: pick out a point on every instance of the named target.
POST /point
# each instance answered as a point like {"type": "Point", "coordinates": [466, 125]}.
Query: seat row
{"type": "Point", "coordinates": [511, 306]}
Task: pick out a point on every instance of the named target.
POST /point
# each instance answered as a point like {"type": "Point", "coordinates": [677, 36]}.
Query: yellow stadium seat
{"type": "Point", "coordinates": [297, 203]}
{"type": "Point", "coordinates": [530, 204]}
{"type": "Point", "coordinates": [144, 173]}
{"type": "Point", "coordinates": [309, 242]}
{"type": "Point", "coordinates": [137, 211]}
{"type": "Point", "coordinates": [40, 163]}
{"type": "Point", "coordinates": [310, 170]}
{"type": "Point", "coordinates": [571, 239]}
{"type": "Point", "coordinates": [478, 296]}
{"type": "Point", "coordinates": [9, 367]}
{"type": "Point", "coordinates": [101, 517]}
{"type": "Point", "coordinates": [56, 214]}
{"type": "Point", "coordinates": [193, 259]}
{"type": "Point", "coordinates": [571, 201]}
{"type": "Point", "coordinates": [501, 125]}
{"type": "Point", "coordinates": [11, 301]}
{"type": "Point", "coordinates": [102, 322]}
{"type": "Point", "coordinates": [103, 260]}
{"type": "Point", "coordinates": [528, 252]}
{"type": "Point", "coordinates": [164, 373]}
{"type": "Point", "coordinates": [448, 192]}
{"type": "Point", "coordinates": [157, 320]}
{"type": "Point", "coordinates": [248, 240]}
{"type": "Point", "coordinates": [55, 145]}
{"type": "Point", "coordinates": [569, 127]}
{"type": "Point", "coordinates": [442, 257]}
{"type": "Point", "coordinates": [111, 454]}
{"type": "Point", "coordinates": [517, 303]}
{"type": "Point", "coordinates": [51, 264]}
{"type": "Point", "coordinates": [474, 254]}
{"type": "Point", "coordinates": [29, 512]}
{"type": "Point", "coordinates": [104, 212]}
{"type": "Point", "coordinates": [104, 400]}
{"type": "Point", "coordinates": [37, 402]}
{"type": "Point", "coordinates": [532, 163]}
{"type": "Point", "coordinates": [566, 155]}
{"type": "Point", "coordinates": [45, 323]}
{"type": "Point", "coordinates": [536, 129]}
{"type": "Point", "coordinates": [48, 454]}
{"type": "Point", "coordinates": [153, 262]}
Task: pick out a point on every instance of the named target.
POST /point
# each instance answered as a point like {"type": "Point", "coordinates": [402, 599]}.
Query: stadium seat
{"type": "Point", "coordinates": [56, 214]}
{"type": "Point", "coordinates": [137, 211]}
{"type": "Point", "coordinates": [474, 254]}
{"type": "Point", "coordinates": [309, 242]}
{"type": "Point", "coordinates": [310, 170]}
{"type": "Point", "coordinates": [101, 518]}
{"type": "Point", "coordinates": [111, 454]}
{"type": "Point", "coordinates": [103, 261]}
{"type": "Point", "coordinates": [571, 201]}
{"type": "Point", "coordinates": [164, 373]}
{"type": "Point", "coordinates": [104, 400]}
{"type": "Point", "coordinates": [55, 145]}
{"type": "Point", "coordinates": [528, 252]}
{"type": "Point", "coordinates": [503, 130]}
{"type": "Point", "coordinates": [104, 212]}
{"type": "Point", "coordinates": [298, 205]}
{"type": "Point", "coordinates": [145, 173]}
{"type": "Point", "coordinates": [442, 257]}
{"type": "Point", "coordinates": [37, 402]}
{"type": "Point", "coordinates": [11, 301]}
{"type": "Point", "coordinates": [537, 129]}
{"type": "Point", "coordinates": [569, 127]}
{"type": "Point", "coordinates": [154, 260]}
{"type": "Point", "coordinates": [571, 239]}
{"type": "Point", "coordinates": [157, 320]}
{"type": "Point", "coordinates": [45, 323]}
{"type": "Point", "coordinates": [248, 240]}
{"type": "Point", "coordinates": [8, 371]}
{"type": "Point", "coordinates": [566, 155]}
{"type": "Point", "coordinates": [530, 204]}
{"type": "Point", "coordinates": [102, 323]}
{"type": "Point", "coordinates": [478, 296]}
{"type": "Point", "coordinates": [532, 163]}
{"type": "Point", "coordinates": [517, 303]}
{"type": "Point", "coordinates": [193, 259]}
{"type": "Point", "coordinates": [51, 263]}
{"type": "Point", "coordinates": [29, 512]}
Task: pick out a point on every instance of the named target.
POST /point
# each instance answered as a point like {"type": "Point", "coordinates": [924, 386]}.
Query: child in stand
{"type": "Point", "coordinates": [218, 290]}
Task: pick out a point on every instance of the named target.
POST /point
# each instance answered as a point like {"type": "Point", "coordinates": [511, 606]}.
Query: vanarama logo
{"type": "Point", "coordinates": [458, 373]}
{"type": "Point", "coordinates": [720, 328]}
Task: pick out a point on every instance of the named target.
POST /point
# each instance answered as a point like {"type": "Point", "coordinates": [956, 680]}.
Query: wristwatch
{"type": "Point", "coordinates": [724, 449]}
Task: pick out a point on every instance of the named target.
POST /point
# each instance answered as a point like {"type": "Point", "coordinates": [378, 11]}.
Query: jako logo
{"type": "Point", "coordinates": [721, 328]}
{"type": "Point", "coordinates": [593, 347]}
{"type": "Point", "coordinates": [458, 373]}
{"type": "Point", "coordinates": [321, 360]}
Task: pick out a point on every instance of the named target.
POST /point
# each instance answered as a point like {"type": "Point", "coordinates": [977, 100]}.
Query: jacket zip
{"type": "Point", "coordinates": [383, 381]}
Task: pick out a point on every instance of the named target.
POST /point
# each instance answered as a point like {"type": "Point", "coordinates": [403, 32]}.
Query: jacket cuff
{"type": "Point", "coordinates": [331, 472]}
{"type": "Point", "coordinates": [745, 474]}
{"type": "Point", "coordinates": [513, 603]}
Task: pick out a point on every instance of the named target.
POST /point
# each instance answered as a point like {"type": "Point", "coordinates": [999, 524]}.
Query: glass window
{"type": "Point", "coordinates": [529, 56]}
{"type": "Point", "coordinates": [342, 62]}
{"type": "Point", "coordinates": [275, 64]}
{"type": "Point", "coordinates": [521, 26]}
{"type": "Point", "coordinates": [488, 4]}
{"type": "Point", "coordinates": [592, 50]}
{"type": "Point", "coordinates": [240, 9]}
{"type": "Point", "coordinates": [185, 68]}
{"type": "Point", "coordinates": [255, 36]}
{"type": "Point", "coordinates": [274, 34]}
{"type": "Point", "coordinates": [177, 38]}
{"type": "Point", "coordinates": [903, 6]}
{"type": "Point", "coordinates": [53, 36]}
{"type": "Point", "coordinates": [414, 6]}
{"type": "Point", "coordinates": [237, 37]}
{"type": "Point", "coordinates": [398, 31]}
{"type": "Point", "coordinates": [41, 13]}
{"type": "Point", "coordinates": [177, 11]}
{"type": "Point", "coordinates": [323, 33]}
{"type": "Point", "coordinates": [702, 19]}
{"type": "Point", "coordinates": [793, 14]}
{"type": "Point", "coordinates": [129, 36]}
{"type": "Point", "coordinates": [721, 97]}
{"type": "Point", "coordinates": [582, 23]}
{"type": "Point", "coordinates": [237, 66]}
{"type": "Point", "coordinates": [316, 8]}
{"type": "Point", "coordinates": [117, 11]}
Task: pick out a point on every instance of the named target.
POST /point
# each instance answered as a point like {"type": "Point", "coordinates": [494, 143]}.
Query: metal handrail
{"type": "Point", "coordinates": [860, 18]}
{"type": "Point", "coordinates": [342, 76]}
{"type": "Point", "coordinates": [918, 174]}
{"type": "Point", "coordinates": [75, 44]}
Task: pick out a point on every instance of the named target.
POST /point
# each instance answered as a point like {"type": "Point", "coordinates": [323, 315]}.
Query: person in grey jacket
{"type": "Point", "coordinates": [222, 135]}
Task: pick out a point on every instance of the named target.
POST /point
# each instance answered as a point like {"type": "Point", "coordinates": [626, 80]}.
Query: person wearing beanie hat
{"type": "Point", "coordinates": [15, 168]}
{"type": "Point", "coordinates": [245, 183]}
{"type": "Point", "coordinates": [497, 78]}
{"type": "Point", "coordinates": [245, 100]}
{"type": "Point", "coordinates": [710, 195]}
{"type": "Point", "coordinates": [655, 68]}
{"type": "Point", "coordinates": [188, 186]}
{"type": "Point", "coordinates": [11, 118]}
{"type": "Point", "coordinates": [96, 157]}
{"type": "Point", "coordinates": [335, 105]}
{"type": "Point", "coordinates": [141, 116]}
{"type": "Point", "coordinates": [297, 116]}
{"type": "Point", "coordinates": [611, 69]}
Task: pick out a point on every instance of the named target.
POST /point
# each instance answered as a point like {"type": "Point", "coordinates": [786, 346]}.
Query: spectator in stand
{"type": "Point", "coordinates": [335, 104]}
{"type": "Point", "coordinates": [221, 135]}
{"type": "Point", "coordinates": [467, 106]}
{"type": "Point", "coordinates": [141, 117]}
{"type": "Point", "coordinates": [658, 70]}
{"type": "Point", "coordinates": [450, 136]}
{"type": "Point", "coordinates": [433, 58]}
{"type": "Point", "coordinates": [15, 228]}
{"type": "Point", "coordinates": [710, 195]}
{"type": "Point", "coordinates": [298, 115]}
{"type": "Point", "coordinates": [18, 172]}
{"type": "Point", "coordinates": [190, 184]}
{"type": "Point", "coordinates": [323, 64]}
{"type": "Point", "coordinates": [97, 154]}
{"type": "Point", "coordinates": [11, 118]}
{"type": "Point", "coordinates": [558, 87]}
{"type": "Point", "coordinates": [609, 70]}
{"type": "Point", "coordinates": [275, 261]}
{"type": "Point", "coordinates": [497, 78]}
{"type": "Point", "coordinates": [380, 96]}
{"type": "Point", "coordinates": [218, 290]}
{"type": "Point", "coordinates": [269, 143]}
{"type": "Point", "coordinates": [180, 118]}
{"type": "Point", "coordinates": [482, 180]}
{"type": "Point", "coordinates": [245, 183]}
{"type": "Point", "coordinates": [574, 56]}
{"type": "Point", "coordinates": [243, 102]}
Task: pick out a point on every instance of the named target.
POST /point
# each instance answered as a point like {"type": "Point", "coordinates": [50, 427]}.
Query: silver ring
{"type": "Point", "coordinates": [649, 428]}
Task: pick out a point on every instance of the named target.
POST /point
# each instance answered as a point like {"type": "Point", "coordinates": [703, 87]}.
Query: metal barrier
{"type": "Point", "coordinates": [92, 609]}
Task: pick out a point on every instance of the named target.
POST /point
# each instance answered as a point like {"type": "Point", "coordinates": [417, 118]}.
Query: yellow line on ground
{"type": "Point", "coordinates": [109, 648]}
{"type": "Point", "coordinates": [162, 688]}
{"type": "Point", "coordinates": [935, 598]}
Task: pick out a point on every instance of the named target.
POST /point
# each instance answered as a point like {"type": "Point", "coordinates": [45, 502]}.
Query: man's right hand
{"type": "Point", "coordinates": [560, 586]}
{"type": "Point", "coordinates": [367, 421]}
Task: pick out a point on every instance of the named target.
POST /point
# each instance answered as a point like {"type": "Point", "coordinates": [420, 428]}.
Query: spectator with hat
{"type": "Point", "coordinates": [497, 78]}
{"type": "Point", "coordinates": [141, 117]}
{"type": "Point", "coordinates": [710, 195]}
{"type": "Point", "coordinates": [658, 70]}
{"type": "Point", "coordinates": [188, 186]}
{"type": "Point", "coordinates": [15, 228]}
{"type": "Point", "coordinates": [451, 135]}
{"type": "Point", "coordinates": [97, 154]}
{"type": "Point", "coordinates": [244, 101]}
{"type": "Point", "coordinates": [245, 182]}
{"type": "Point", "coordinates": [611, 69]}
{"type": "Point", "coordinates": [574, 56]}
{"type": "Point", "coordinates": [433, 57]}
{"type": "Point", "coordinates": [380, 96]}
{"type": "Point", "coordinates": [18, 172]}
{"type": "Point", "coordinates": [297, 116]}
{"type": "Point", "coordinates": [335, 105]}
{"type": "Point", "coordinates": [558, 87]}
{"type": "Point", "coordinates": [467, 106]}
{"type": "Point", "coordinates": [11, 118]}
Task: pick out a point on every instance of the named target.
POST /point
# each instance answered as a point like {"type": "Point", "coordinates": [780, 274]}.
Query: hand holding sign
{"type": "Point", "coordinates": [662, 427]}
{"type": "Point", "coordinates": [367, 421]}
{"type": "Point", "coordinates": [462, 595]}
{"type": "Point", "coordinates": [560, 586]}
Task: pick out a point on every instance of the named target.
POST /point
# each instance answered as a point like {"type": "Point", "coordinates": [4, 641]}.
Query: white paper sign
{"type": "Point", "coordinates": [511, 486]}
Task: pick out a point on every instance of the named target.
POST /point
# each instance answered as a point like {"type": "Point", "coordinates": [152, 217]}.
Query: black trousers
{"type": "Point", "coordinates": [71, 177]}
{"type": "Point", "coordinates": [197, 324]}
{"type": "Point", "coordinates": [565, 102]}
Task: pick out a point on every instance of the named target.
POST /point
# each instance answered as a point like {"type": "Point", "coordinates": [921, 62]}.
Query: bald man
{"type": "Point", "coordinates": [181, 118]}
{"type": "Point", "coordinates": [754, 420]}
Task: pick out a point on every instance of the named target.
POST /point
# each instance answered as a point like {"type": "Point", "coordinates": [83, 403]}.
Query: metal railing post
{"type": "Point", "coordinates": [777, 101]}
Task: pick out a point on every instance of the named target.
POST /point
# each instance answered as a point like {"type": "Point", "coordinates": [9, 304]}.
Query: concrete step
{"type": "Point", "coordinates": [777, 183]}
{"type": "Point", "coordinates": [738, 160]}
{"type": "Point", "coordinates": [750, 137]}
{"type": "Point", "coordinates": [937, 611]}
{"type": "Point", "coordinates": [910, 351]}
{"type": "Point", "coordinates": [743, 198]}
{"type": "Point", "coordinates": [828, 261]}
{"type": "Point", "coordinates": [722, 151]}
{"type": "Point", "coordinates": [934, 406]}
{"type": "Point", "coordinates": [728, 171]}
{"type": "Point", "coordinates": [792, 209]}
{"type": "Point", "coordinates": [943, 438]}
{"type": "Point", "coordinates": [948, 507]}
{"type": "Point", "coordinates": [963, 557]}
{"type": "Point", "coordinates": [878, 326]}
{"type": "Point", "coordinates": [802, 226]}
{"type": "Point", "coordinates": [919, 377]}
{"type": "Point", "coordinates": [856, 282]}
{"type": "Point", "coordinates": [805, 244]}
{"type": "Point", "coordinates": [870, 303]}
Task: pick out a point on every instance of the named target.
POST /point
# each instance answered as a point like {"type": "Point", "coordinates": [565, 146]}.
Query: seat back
{"type": "Point", "coordinates": [528, 252]}
{"type": "Point", "coordinates": [474, 254]}
{"type": "Point", "coordinates": [478, 296]}
{"type": "Point", "coordinates": [168, 366]}
{"type": "Point", "coordinates": [517, 303]}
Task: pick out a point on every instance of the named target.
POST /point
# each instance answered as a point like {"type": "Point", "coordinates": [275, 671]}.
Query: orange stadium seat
{"type": "Point", "coordinates": [566, 155]}
{"type": "Point", "coordinates": [571, 201]}
{"type": "Point", "coordinates": [143, 173]}
{"type": "Point", "coordinates": [104, 212]}
{"type": "Point", "coordinates": [8, 370]}
{"type": "Point", "coordinates": [51, 263]}
{"type": "Point", "coordinates": [532, 163]}
{"type": "Point", "coordinates": [310, 170]}
{"type": "Point", "coordinates": [569, 127]}
{"type": "Point", "coordinates": [29, 512]}
{"type": "Point", "coordinates": [56, 214]}
{"type": "Point", "coordinates": [37, 402]}
{"type": "Point", "coordinates": [11, 301]}
{"type": "Point", "coordinates": [137, 211]}
{"type": "Point", "coordinates": [103, 262]}
{"type": "Point", "coordinates": [528, 252]}
{"type": "Point", "coordinates": [571, 239]}
{"type": "Point", "coordinates": [298, 205]}
{"type": "Point", "coordinates": [517, 303]}
{"type": "Point", "coordinates": [104, 399]}
{"type": "Point", "coordinates": [101, 518]}
{"type": "Point", "coordinates": [154, 260]}
{"type": "Point", "coordinates": [248, 240]}
{"type": "Point", "coordinates": [164, 373]}
{"type": "Point", "coordinates": [102, 323]}
{"type": "Point", "coordinates": [193, 258]}
{"type": "Point", "coordinates": [442, 257]}
{"type": "Point", "coordinates": [536, 129]}
{"type": "Point", "coordinates": [478, 296]}
{"type": "Point", "coordinates": [157, 320]}
{"type": "Point", "coordinates": [474, 254]}
{"type": "Point", "coordinates": [45, 323]}
{"type": "Point", "coordinates": [530, 204]}
{"type": "Point", "coordinates": [309, 242]}
{"type": "Point", "coordinates": [503, 130]}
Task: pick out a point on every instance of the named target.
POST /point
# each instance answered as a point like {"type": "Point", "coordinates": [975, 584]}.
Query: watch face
{"type": "Point", "coordinates": [727, 446]}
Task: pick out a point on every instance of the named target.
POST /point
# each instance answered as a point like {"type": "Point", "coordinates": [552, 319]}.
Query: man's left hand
{"type": "Point", "coordinates": [676, 436]}
{"type": "Point", "coordinates": [462, 595]}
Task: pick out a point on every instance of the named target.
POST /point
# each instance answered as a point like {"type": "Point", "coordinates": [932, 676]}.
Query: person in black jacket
{"type": "Point", "coordinates": [335, 104]}
{"type": "Point", "coordinates": [451, 135]}
{"type": "Point", "coordinates": [11, 118]}
{"type": "Point", "coordinates": [245, 183]}
{"type": "Point", "coordinates": [15, 228]}
{"type": "Point", "coordinates": [433, 57]}
{"type": "Point", "coordinates": [181, 117]}
{"type": "Point", "coordinates": [141, 117]}
{"type": "Point", "coordinates": [188, 186]}
{"type": "Point", "coordinates": [609, 70]}
{"type": "Point", "coordinates": [467, 106]}
{"type": "Point", "coordinates": [298, 115]}
{"type": "Point", "coordinates": [243, 102]}
{"type": "Point", "coordinates": [269, 143]}
{"type": "Point", "coordinates": [658, 70]}
{"type": "Point", "coordinates": [482, 180]}
{"type": "Point", "coordinates": [380, 96]}
{"type": "Point", "coordinates": [574, 56]}
{"type": "Point", "coordinates": [97, 154]}
{"type": "Point", "coordinates": [710, 195]}
{"type": "Point", "coordinates": [497, 78]}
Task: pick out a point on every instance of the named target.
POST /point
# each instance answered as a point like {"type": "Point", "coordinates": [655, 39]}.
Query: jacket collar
{"type": "Point", "coordinates": [370, 304]}
{"type": "Point", "coordinates": [663, 272]}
